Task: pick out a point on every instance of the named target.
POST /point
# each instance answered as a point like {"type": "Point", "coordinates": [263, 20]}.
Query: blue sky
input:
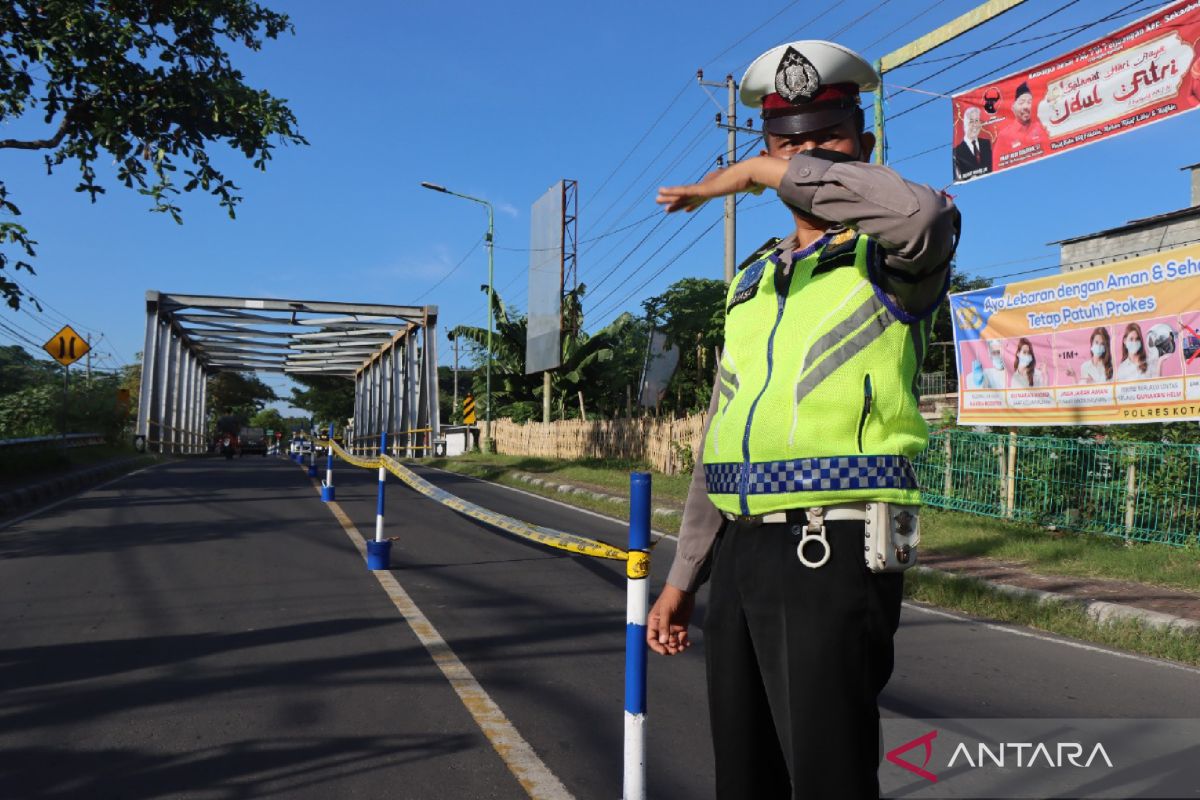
{"type": "Point", "coordinates": [501, 100]}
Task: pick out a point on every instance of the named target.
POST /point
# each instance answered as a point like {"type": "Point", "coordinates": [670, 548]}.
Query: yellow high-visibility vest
{"type": "Point", "coordinates": [818, 384]}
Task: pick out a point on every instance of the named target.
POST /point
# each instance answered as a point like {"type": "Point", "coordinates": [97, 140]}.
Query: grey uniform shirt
{"type": "Point", "coordinates": [917, 227]}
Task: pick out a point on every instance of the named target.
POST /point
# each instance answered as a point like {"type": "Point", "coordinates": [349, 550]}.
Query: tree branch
{"type": "Point", "coordinates": [38, 144]}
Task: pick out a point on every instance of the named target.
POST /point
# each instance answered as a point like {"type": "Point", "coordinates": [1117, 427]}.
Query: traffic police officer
{"type": "Point", "coordinates": [812, 424]}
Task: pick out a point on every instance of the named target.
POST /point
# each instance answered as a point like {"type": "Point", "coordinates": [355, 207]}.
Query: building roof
{"type": "Point", "coordinates": [1133, 225]}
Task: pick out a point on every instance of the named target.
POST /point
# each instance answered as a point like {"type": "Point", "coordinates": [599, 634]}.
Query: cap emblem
{"type": "Point", "coordinates": [796, 79]}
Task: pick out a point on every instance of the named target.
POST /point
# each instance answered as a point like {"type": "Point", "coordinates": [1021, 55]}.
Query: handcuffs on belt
{"type": "Point", "coordinates": [814, 531]}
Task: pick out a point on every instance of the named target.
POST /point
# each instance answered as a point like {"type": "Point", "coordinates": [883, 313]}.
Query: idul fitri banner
{"type": "Point", "coordinates": [1113, 344]}
{"type": "Point", "coordinates": [1145, 72]}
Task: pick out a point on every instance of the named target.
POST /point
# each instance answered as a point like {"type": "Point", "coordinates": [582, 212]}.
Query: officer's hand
{"type": "Point", "coordinates": [751, 175]}
{"type": "Point", "coordinates": [667, 622]}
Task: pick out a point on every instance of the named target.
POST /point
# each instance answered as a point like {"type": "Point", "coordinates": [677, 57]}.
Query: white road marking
{"type": "Point", "coordinates": [1053, 639]}
{"type": "Point", "coordinates": [529, 770]}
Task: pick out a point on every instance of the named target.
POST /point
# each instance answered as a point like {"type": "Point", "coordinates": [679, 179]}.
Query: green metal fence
{"type": "Point", "coordinates": [1143, 491]}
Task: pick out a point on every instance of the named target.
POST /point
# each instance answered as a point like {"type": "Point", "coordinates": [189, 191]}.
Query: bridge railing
{"type": "Point", "coordinates": [46, 442]}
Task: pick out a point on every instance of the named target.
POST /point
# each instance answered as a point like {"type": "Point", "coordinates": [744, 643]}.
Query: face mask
{"type": "Point", "coordinates": [997, 362]}
{"type": "Point", "coordinates": [1133, 347]}
{"type": "Point", "coordinates": [1097, 350]}
{"type": "Point", "coordinates": [836, 156]}
{"type": "Point", "coordinates": [1024, 359]}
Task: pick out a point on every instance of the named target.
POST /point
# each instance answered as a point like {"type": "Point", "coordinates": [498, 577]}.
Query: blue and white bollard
{"type": "Point", "coordinates": [312, 461]}
{"type": "Point", "coordinates": [637, 571]}
{"type": "Point", "coordinates": [327, 493]}
{"type": "Point", "coordinates": [379, 552]}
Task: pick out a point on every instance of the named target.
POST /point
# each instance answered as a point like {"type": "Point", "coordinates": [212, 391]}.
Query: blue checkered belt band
{"type": "Point", "coordinates": [832, 474]}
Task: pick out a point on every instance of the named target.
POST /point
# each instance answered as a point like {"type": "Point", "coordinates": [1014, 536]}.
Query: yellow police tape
{"type": "Point", "coordinates": [639, 562]}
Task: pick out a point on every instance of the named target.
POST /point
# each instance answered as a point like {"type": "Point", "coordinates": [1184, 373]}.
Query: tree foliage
{"type": "Point", "coordinates": [146, 84]}
{"type": "Point", "coordinates": [19, 370]}
{"type": "Point", "coordinates": [585, 359]}
{"type": "Point", "coordinates": [691, 312]}
{"type": "Point", "coordinates": [329, 398]}
{"type": "Point", "coordinates": [36, 409]}
{"type": "Point", "coordinates": [244, 392]}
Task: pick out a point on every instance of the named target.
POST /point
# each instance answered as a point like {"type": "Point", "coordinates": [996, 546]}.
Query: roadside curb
{"type": "Point", "coordinates": [566, 488]}
{"type": "Point", "coordinates": [1099, 611]}
{"type": "Point", "coordinates": [52, 489]}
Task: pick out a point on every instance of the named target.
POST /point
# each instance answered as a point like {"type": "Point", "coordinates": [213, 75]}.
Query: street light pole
{"type": "Point", "coordinates": [486, 444]}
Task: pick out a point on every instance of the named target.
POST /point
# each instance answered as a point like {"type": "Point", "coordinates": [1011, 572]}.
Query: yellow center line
{"type": "Point", "coordinates": [529, 770]}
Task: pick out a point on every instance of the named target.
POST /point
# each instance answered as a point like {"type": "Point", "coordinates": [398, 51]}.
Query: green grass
{"type": "Point", "coordinates": [40, 464]}
{"type": "Point", "coordinates": [1061, 553]}
{"type": "Point", "coordinates": [976, 599]}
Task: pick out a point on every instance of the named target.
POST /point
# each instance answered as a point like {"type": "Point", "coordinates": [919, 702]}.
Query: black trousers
{"type": "Point", "coordinates": [796, 660]}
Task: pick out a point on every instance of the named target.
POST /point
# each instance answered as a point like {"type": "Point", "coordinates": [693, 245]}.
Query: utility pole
{"type": "Point", "coordinates": [454, 407]}
{"type": "Point", "coordinates": [730, 200]}
{"type": "Point", "coordinates": [89, 360]}
{"type": "Point", "coordinates": [546, 396]}
{"type": "Point", "coordinates": [728, 160]}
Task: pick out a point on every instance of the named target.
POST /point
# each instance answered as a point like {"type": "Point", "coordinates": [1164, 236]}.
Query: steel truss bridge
{"type": "Point", "coordinates": [390, 352]}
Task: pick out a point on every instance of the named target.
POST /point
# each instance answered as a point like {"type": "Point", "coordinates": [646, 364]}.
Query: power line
{"type": "Point", "coordinates": [987, 47]}
{"type": "Point", "coordinates": [65, 319]}
{"type": "Point", "coordinates": [825, 13]}
{"type": "Point", "coordinates": [762, 25]}
{"type": "Point", "coordinates": [1018, 42]}
{"type": "Point", "coordinates": [744, 148]}
{"type": "Point", "coordinates": [1015, 60]}
{"type": "Point", "coordinates": [453, 269]}
{"type": "Point", "coordinates": [652, 161]}
{"type": "Point", "coordinates": [904, 25]}
{"type": "Point", "coordinates": [684, 152]}
{"type": "Point", "coordinates": [21, 336]}
{"type": "Point", "coordinates": [637, 144]}
{"type": "Point", "coordinates": [673, 259]}
{"type": "Point", "coordinates": [858, 19]}
{"type": "Point", "coordinates": [581, 242]}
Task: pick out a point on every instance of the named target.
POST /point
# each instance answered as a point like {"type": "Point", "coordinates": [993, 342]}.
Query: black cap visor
{"type": "Point", "coordinates": [789, 122]}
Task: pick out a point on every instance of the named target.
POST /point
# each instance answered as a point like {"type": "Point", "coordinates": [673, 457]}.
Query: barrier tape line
{"type": "Point", "coordinates": [547, 536]}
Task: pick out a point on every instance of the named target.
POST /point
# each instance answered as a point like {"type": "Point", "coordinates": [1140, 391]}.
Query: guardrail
{"type": "Point", "coordinates": [70, 440]}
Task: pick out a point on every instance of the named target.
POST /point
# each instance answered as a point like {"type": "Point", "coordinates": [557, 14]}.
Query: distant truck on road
{"type": "Point", "coordinates": [253, 440]}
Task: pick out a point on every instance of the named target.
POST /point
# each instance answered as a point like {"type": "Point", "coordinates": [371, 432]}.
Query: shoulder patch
{"type": "Point", "coordinates": [747, 285]}
{"type": "Point", "coordinates": [840, 252]}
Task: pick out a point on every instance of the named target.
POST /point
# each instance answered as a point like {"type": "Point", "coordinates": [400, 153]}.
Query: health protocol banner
{"type": "Point", "coordinates": [1113, 344]}
{"type": "Point", "coordinates": [1143, 73]}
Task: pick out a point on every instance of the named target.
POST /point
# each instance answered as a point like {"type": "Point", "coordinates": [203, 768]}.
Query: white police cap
{"type": "Point", "coordinates": [807, 85]}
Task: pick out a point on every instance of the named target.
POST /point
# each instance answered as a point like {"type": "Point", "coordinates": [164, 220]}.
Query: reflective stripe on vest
{"type": "Point", "coordinates": [814, 475]}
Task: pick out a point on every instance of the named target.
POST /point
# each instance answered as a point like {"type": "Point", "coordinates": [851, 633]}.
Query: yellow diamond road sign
{"type": "Point", "coordinates": [66, 347]}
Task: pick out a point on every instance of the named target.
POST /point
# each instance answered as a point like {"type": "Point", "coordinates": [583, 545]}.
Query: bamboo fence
{"type": "Point", "coordinates": [669, 446]}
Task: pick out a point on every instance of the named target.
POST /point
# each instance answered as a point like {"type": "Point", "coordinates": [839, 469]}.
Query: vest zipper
{"type": "Point", "coordinates": [866, 409]}
{"type": "Point", "coordinates": [744, 483]}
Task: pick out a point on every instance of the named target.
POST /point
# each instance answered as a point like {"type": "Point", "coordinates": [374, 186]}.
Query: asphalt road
{"type": "Point", "coordinates": [207, 630]}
